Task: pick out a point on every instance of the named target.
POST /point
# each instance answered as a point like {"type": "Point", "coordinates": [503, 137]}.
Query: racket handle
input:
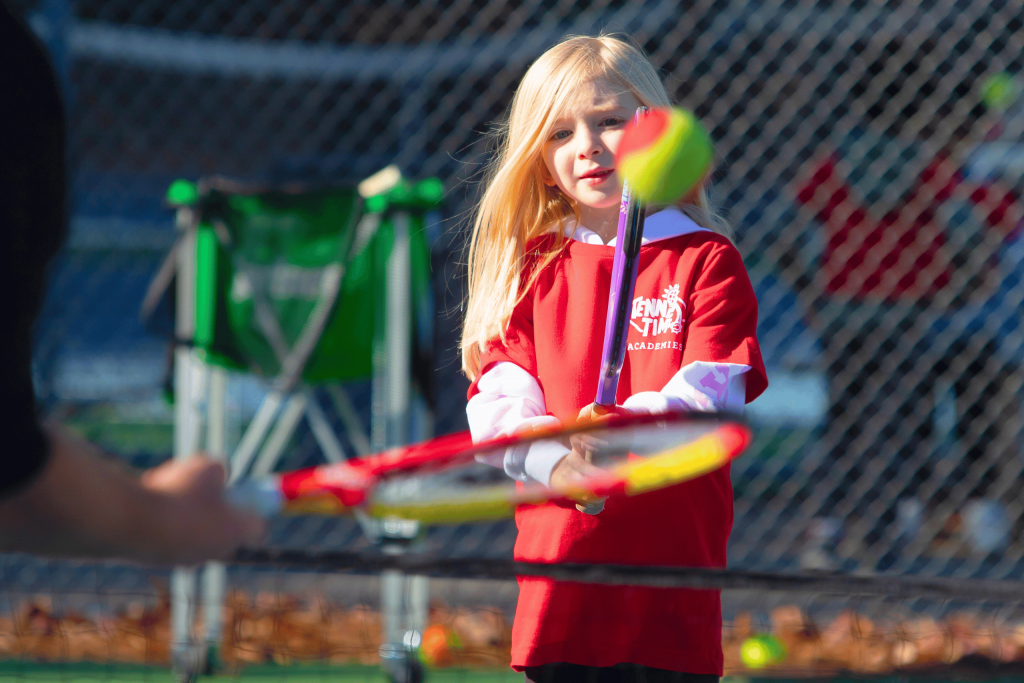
{"type": "Point", "coordinates": [260, 496]}
{"type": "Point", "coordinates": [597, 506]}
{"type": "Point", "coordinates": [591, 508]}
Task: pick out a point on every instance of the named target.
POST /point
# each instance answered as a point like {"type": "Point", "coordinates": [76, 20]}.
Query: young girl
{"type": "Point", "coordinates": [540, 269]}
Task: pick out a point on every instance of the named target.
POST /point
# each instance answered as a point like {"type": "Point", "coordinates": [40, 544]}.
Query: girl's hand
{"type": "Point", "coordinates": [587, 443]}
{"type": "Point", "coordinates": [577, 465]}
{"type": "Point", "coordinates": [571, 472]}
{"type": "Point", "coordinates": [596, 413]}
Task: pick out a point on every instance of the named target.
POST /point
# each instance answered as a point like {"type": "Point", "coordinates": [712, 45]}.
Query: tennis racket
{"type": "Point", "coordinates": [628, 240]}
{"type": "Point", "coordinates": [448, 481]}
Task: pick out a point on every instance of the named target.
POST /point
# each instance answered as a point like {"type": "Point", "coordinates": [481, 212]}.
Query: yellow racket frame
{"type": "Point", "coordinates": [671, 466]}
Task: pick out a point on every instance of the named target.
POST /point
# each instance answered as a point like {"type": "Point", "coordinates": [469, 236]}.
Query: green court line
{"type": "Point", "coordinates": [33, 672]}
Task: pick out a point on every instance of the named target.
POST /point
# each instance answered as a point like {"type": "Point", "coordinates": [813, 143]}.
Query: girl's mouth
{"type": "Point", "coordinates": [597, 176]}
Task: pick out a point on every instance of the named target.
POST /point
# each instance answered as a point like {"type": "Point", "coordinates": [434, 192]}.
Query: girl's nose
{"type": "Point", "coordinates": [590, 145]}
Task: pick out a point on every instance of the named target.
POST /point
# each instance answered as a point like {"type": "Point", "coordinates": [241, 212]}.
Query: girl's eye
{"type": "Point", "coordinates": [612, 121]}
{"type": "Point", "coordinates": [560, 135]}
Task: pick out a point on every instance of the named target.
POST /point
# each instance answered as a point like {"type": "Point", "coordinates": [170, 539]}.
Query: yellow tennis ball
{"type": "Point", "coordinates": [664, 155]}
{"type": "Point", "coordinates": [758, 652]}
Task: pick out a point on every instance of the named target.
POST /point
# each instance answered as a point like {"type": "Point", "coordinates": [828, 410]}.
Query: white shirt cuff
{"type": "Point", "coordinates": [542, 459]}
{"type": "Point", "coordinates": [652, 403]}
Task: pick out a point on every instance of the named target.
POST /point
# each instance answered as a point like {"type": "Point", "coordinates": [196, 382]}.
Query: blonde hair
{"type": "Point", "coordinates": [517, 205]}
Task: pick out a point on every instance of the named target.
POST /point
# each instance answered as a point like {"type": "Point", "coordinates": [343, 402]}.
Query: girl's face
{"type": "Point", "coordinates": [579, 155]}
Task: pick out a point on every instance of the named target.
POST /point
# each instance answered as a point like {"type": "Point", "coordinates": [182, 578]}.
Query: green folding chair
{"type": "Point", "coordinates": [306, 288]}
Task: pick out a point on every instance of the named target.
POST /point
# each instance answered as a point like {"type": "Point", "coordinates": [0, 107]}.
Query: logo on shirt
{"type": "Point", "coordinates": [653, 317]}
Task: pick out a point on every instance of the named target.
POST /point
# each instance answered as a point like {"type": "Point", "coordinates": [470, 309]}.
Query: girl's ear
{"type": "Point", "coordinates": [545, 175]}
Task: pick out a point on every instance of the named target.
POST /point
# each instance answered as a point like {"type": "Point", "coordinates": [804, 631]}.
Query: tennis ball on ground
{"type": "Point", "coordinates": [999, 91]}
{"type": "Point", "coordinates": [664, 155]}
{"type": "Point", "coordinates": [437, 644]}
{"type": "Point", "coordinates": [760, 651]}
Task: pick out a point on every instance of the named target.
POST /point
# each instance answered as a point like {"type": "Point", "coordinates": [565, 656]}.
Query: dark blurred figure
{"type": "Point", "coordinates": [58, 494]}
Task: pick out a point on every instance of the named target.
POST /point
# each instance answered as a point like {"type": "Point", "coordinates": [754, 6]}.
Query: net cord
{"type": "Point", "coordinates": [891, 586]}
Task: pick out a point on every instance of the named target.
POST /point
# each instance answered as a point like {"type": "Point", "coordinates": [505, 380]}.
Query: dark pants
{"type": "Point", "coordinates": [620, 673]}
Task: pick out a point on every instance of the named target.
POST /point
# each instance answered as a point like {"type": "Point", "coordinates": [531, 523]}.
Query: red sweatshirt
{"type": "Point", "coordinates": [556, 334]}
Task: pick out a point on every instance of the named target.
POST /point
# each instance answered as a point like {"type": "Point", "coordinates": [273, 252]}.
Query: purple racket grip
{"type": "Point", "coordinates": [628, 239]}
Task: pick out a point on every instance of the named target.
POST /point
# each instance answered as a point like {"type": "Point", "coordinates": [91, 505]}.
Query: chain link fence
{"type": "Point", "coordinates": [869, 155]}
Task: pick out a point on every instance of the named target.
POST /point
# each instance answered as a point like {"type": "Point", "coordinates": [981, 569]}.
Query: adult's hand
{"type": "Point", "coordinates": [82, 504]}
{"type": "Point", "coordinates": [199, 522]}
